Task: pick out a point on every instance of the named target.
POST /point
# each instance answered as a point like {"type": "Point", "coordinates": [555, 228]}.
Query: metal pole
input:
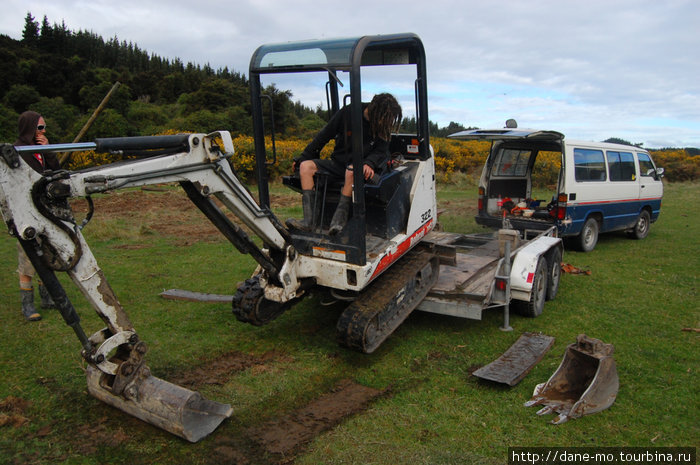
{"type": "Point", "coordinates": [74, 147]}
{"type": "Point", "coordinates": [506, 272]}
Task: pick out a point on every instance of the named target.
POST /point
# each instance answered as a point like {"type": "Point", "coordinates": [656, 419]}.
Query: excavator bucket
{"type": "Point", "coordinates": [168, 406]}
{"type": "Point", "coordinates": [586, 382]}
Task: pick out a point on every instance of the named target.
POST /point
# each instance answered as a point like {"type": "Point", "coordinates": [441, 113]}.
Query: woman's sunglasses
{"type": "Point", "coordinates": [41, 127]}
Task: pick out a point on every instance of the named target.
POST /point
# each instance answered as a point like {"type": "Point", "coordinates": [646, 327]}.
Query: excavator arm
{"type": "Point", "coordinates": [36, 211]}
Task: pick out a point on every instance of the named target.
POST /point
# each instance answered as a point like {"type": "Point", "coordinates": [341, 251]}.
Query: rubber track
{"type": "Point", "coordinates": [250, 305]}
{"type": "Point", "coordinates": [386, 303]}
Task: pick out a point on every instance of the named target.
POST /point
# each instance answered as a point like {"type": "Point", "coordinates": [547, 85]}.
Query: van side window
{"type": "Point", "coordinates": [589, 165]}
{"type": "Point", "coordinates": [621, 166]}
{"type": "Point", "coordinates": [512, 162]}
{"type": "Point", "coordinates": [646, 166]}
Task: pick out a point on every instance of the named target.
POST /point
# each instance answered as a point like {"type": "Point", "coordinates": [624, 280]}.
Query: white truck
{"type": "Point", "coordinates": [601, 187]}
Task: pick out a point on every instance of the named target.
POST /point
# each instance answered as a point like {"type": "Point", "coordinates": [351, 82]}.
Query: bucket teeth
{"type": "Point", "coordinates": [545, 410]}
{"type": "Point", "coordinates": [534, 401]}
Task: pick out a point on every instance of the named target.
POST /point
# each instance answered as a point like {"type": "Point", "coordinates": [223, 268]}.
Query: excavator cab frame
{"type": "Point", "coordinates": [349, 55]}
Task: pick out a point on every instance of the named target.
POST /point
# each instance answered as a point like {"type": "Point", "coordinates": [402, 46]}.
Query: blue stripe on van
{"type": "Point", "coordinates": [617, 214]}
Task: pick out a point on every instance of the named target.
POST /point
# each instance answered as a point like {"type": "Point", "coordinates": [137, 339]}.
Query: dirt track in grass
{"type": "Point", "coordinates": [279, 439]}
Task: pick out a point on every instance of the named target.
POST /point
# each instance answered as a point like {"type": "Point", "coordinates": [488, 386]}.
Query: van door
{"type": "Point", "coordinates": [624, 189]}
{"type": "Point", "coordinates": [651, 188]}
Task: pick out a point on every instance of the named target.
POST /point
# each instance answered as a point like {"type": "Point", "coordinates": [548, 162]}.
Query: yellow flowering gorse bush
{"type": "Point", "coordinates": [451, 157]}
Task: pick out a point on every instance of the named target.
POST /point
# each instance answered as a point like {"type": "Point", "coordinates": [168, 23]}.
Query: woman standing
{"type": "Point", "coordinates": [32, 131]}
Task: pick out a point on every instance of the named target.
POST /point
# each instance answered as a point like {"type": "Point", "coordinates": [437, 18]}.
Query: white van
{"type": "Point", "coordinates": [601, 187]}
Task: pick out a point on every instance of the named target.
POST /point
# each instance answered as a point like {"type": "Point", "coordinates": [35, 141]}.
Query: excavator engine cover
{"type": "Point", "coordinates": [586, 382]}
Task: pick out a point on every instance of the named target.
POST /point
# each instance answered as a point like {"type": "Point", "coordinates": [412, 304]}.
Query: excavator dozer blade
{"type": "Point", "coordinates": [173, 408]}
{"type": "Point", "coordinates": [586, 382]}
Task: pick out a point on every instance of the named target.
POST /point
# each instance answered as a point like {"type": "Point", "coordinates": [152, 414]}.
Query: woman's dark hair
{"type": "Point", "coordinates": [384, 116]}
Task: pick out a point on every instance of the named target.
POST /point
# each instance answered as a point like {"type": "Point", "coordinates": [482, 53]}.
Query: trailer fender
{"type": "Point", "coordinates": [522, 271]}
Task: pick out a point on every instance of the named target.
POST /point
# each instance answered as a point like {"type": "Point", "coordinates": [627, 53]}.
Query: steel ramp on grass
{"type": "Point", "coordinates": [516, 362]}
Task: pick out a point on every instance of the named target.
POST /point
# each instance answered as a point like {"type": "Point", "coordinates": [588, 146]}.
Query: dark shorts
{"type": "Point", "coordinates": [330, 167]}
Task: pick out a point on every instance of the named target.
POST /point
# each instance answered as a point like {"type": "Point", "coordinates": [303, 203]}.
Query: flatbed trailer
{"type": "Point", "coordinates": [482, 271]}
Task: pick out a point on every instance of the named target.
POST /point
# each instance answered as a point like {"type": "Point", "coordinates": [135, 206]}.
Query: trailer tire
{"type": "Point", "coordinates": [589, 235]}
{"type": "Point", "coordinates": [533, 308]}
{"type": "Point", "coordinates": [553, 273]}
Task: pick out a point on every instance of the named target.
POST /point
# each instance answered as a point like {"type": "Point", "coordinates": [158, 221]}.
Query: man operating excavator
{"type": "Point", "coordinates": [381, 117]}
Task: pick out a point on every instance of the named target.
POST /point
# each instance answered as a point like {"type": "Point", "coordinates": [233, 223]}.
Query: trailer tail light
{"type": "Point", "coordinates": [480, 201]}
{"type": "Point", "coordinates": [501, 284]}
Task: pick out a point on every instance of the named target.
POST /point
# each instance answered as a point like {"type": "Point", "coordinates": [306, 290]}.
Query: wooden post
{"type": "Point", "coordinates": [98, 110]}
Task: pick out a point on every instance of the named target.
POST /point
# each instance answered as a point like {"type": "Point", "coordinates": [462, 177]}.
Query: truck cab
{"type": "Point", "coordinates": [600, 187]}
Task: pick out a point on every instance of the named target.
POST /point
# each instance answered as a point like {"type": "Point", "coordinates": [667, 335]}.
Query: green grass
{"type": "Point", "coordinates": [639, 297]}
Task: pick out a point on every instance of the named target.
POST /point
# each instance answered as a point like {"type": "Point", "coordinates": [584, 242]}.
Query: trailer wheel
{"type": "Point", "coordinates": [553, 273]}
{"type": "Point", "coordinates": [641, 227]}
{"type": "Point", "coordinates": [589, 235]}
{"type": "Point", "coordinates": [533, 308]}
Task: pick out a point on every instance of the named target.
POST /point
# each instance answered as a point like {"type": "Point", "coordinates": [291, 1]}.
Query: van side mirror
{"type": "Point", "coordinates": [657, 173]}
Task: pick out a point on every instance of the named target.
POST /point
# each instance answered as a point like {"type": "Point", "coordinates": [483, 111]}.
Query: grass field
{"type": "Point", "coordinates": [639, 296]}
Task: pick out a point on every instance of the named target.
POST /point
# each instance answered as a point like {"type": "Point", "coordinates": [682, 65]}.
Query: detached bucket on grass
{"type": "Point", "coordinates": [168, 406]}
{"type": "Point", "coordinates": [586, 382]}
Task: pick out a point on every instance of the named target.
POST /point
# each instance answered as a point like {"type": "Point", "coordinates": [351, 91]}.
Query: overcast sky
{"type": "Point", "coordinates": [592, 70]}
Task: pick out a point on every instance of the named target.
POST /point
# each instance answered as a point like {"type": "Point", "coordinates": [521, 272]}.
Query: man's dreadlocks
{"type": "Point", "coordinates": [384, 116]}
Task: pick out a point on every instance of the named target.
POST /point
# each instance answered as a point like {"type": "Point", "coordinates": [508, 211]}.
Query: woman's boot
{"type": "Point", "coordinates": [46, 300]}
{"type": "Point", "coordinates": [28, 310]}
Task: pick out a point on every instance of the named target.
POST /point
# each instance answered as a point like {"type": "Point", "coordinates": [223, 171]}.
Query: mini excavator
{"type": "Point", "coordinates": [381, 263]}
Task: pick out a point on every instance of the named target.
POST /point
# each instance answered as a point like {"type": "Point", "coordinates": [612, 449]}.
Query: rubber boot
{"type": "Point", "coordinates": [28, 310]}
{"type": "Point", "coordinates": [46, 300]}
{"type": "Point", "coordinates": [307, 205]}
{"type": "Point", "coordinates": [340, 217]}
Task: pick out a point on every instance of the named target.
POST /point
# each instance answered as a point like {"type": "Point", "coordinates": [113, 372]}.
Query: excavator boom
{"type": "Point", "coordinates": [36, 211]}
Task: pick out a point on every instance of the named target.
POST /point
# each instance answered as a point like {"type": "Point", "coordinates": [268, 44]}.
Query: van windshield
{"type": "Point", "coordinates": [512, 162]}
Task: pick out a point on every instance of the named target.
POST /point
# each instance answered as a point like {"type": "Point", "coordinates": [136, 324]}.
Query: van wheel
{"type": "Point", "coordinates": [641, 227]}
{"type": "Point", "coordinates": [589, 235]}
{"type": "Point", "coordinates": [554, 273]}
{"type": "Point", "coordinates": [535, 305]}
